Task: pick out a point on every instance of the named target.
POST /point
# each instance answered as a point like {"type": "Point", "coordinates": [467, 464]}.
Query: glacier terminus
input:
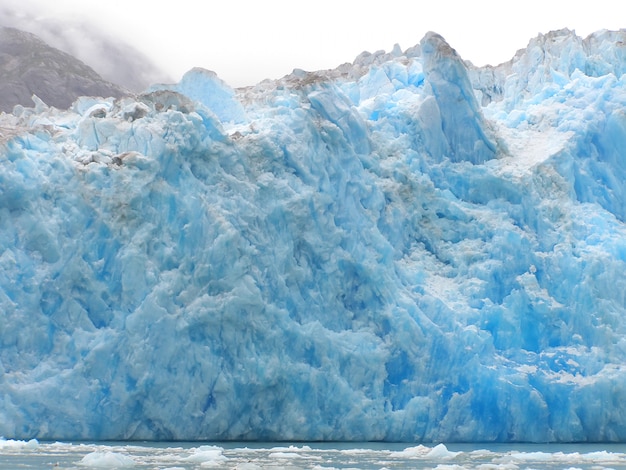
{"type": "Point", "coordinates": [405, 248]}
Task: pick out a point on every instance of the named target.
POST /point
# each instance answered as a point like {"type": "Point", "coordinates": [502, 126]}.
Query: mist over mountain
{"type": "Point", "coordinates": [29, 66]}
{"type": "Point", "coordinates": [110, 57]}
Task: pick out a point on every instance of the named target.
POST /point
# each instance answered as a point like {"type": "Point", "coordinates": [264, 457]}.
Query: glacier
{"type": "Point", "coordinates": [405, 248]}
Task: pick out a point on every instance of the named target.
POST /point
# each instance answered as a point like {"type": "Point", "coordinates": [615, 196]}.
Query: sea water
{"type": "Point", "coordinates": [318, 456]}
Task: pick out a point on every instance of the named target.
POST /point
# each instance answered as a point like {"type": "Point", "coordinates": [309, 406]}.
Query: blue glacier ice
{"type": "Point", "coordinates": [405, 248]}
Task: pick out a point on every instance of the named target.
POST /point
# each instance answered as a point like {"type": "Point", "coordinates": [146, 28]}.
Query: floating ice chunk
{"type": "Point", "coordinates": [107, 460]}
{"type": "Point", "coordinates": [250, 466]}
{"type": "Point", "coordinates": [17, 444]}
{"type": "Point", "coordinates": [440, 451]}
{"type": "Point", "coordinates": [415, 451]}
{"type": "Point", "coordinates": [284, 455]}
{"type": "Point", "coordinates": [206, 455]}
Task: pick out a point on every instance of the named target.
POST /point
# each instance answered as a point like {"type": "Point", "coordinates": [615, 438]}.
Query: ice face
{"type": "Point", "coordinates": [403, 249]}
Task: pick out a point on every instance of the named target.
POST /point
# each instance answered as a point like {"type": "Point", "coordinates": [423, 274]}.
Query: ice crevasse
{"type": "Point", "coordinates": [405, 248]}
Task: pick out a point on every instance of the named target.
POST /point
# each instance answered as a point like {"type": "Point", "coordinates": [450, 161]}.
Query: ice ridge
{"type": "Point", "coordinates": [406, 248]}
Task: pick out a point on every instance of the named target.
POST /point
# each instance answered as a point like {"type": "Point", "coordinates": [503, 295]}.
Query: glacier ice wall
{"type": "Point", "coordinates": [405, 248]}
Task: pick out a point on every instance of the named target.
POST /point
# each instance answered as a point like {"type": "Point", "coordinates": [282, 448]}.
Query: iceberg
{"type": "Point", "coordinates": [406, 248]}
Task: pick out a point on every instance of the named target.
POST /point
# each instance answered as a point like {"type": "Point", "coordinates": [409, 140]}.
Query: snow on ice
{"type": "Point", "coordinates": [404, 248]}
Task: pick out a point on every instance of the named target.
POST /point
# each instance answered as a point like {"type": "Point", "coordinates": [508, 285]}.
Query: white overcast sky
{"type": "Point", "coordinates": [245, 41]}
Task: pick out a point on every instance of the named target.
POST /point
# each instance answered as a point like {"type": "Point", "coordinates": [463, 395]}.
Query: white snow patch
{"type": "Point", "coordinates": [528, 149]}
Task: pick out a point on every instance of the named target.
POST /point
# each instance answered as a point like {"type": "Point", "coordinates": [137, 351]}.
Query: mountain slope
{"type": "Point", "coordinates": [29, 66]}
{"type": "Point", "coordinates": [111, 58]}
